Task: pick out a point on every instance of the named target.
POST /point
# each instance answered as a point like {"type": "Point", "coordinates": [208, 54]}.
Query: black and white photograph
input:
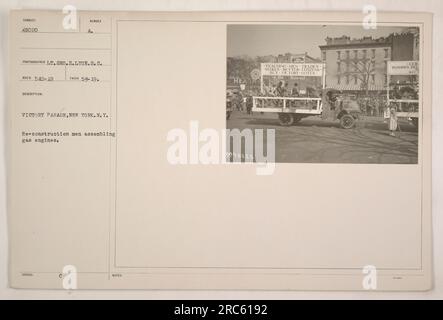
{"type": "Point", "coordinates": [332, 93]}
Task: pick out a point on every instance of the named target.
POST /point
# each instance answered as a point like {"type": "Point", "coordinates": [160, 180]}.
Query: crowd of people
{"type": "Point", "coordinates": [283, 89]}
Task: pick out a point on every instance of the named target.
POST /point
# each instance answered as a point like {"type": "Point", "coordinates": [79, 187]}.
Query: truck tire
{"type": "Point", "coordinates": [286, 119]}
{"type": "Point", "coordinates": [347, 121]}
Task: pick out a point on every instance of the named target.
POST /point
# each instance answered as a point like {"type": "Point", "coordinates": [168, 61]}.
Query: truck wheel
{"type": "Point", "coordinates": [347, 121]}
{"type": "Point", "coordinates": [286, 119]}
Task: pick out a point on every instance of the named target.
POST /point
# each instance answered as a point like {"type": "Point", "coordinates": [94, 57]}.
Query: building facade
{"type": "Point", "coordinates": [360, 65]}
{"type": "Point", "coordinates": [357, 65]}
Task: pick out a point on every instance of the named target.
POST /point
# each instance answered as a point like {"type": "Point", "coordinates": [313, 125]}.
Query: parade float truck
{"type": "Point", "coordinates": [402, 89]}
{"type": "Point", "coordinates": [304, 95]}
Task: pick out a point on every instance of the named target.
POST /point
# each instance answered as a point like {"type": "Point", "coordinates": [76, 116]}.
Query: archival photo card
{"type": "Point", "coordinates": [219, 150]}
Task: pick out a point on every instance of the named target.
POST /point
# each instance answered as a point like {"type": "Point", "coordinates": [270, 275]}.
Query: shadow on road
{"type": "Point", "coordinates": [378, 124]}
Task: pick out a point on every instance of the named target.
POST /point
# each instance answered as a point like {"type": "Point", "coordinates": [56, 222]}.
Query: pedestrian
{"type": "Point", "coordinates": [396, 93]}
{"type": "Point", "coordinates": [280, 90]}
{"type": "Point", "coordinates": [294, 91]}
{"type": "Point", "coordinates": [393, 121]}
{"type": "Point", "coordinates": [386, 112]}
{"type": "Point", "coordinates": [377, 107]}
{"type": "Point", "coordinates": [249, 104]}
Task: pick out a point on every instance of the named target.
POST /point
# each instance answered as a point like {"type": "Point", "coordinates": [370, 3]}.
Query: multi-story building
{"type": "Point", "coordinates": [360, 65]}
{"type": "Point", "coordinates": [357, 65]}
{"type": "Point", "coordinates": [403, 47]}
{"type": "Point", "coordinates": [411, 37]}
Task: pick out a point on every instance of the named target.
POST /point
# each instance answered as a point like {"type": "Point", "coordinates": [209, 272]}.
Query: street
{"type": "Point", "coordinates": [314, 140]}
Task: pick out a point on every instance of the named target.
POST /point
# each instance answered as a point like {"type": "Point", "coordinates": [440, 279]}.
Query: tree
{"type": "Point", "coordinates": [363, 69]}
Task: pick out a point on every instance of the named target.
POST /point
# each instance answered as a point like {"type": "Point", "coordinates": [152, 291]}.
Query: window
{"type": "Point", "coordinates": [338, 79]}
{"type": "Point", "coordinates": [373, 78]}
{"type": "Point", "coordinates": [373, 53]}
{"type": "Point", "coordinates": [386, 53]}
{"type": "Point", "coordinates": [338, 55]}
{"type": "Point", "coordinates": [355, 54]}
{"type": "Point", "coordinates": [323, 55]}
{"type": "Point", "coordinates": [355, 79]}
{"type": "Point", "coordinates": [347, 79]}
{"type": "Point", "coordinates": [365, 53]}
{"type": "Point", "coordinates": [338, 66]}
{"type": "Point", "coordinates": [347, 54]}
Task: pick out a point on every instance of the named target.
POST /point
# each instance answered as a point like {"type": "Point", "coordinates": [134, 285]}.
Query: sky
{"type": "Point", "coordinates": [260, 40]}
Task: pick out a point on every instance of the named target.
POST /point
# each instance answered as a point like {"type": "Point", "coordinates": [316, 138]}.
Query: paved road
{"type": "Point", "coordinates": [313, 140]}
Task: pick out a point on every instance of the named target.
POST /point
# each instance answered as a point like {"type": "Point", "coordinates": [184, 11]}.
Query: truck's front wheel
{"type": "Point", "coordinates": [347, 121]}
{"type": "Point", "coordinates": [286, 119]}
